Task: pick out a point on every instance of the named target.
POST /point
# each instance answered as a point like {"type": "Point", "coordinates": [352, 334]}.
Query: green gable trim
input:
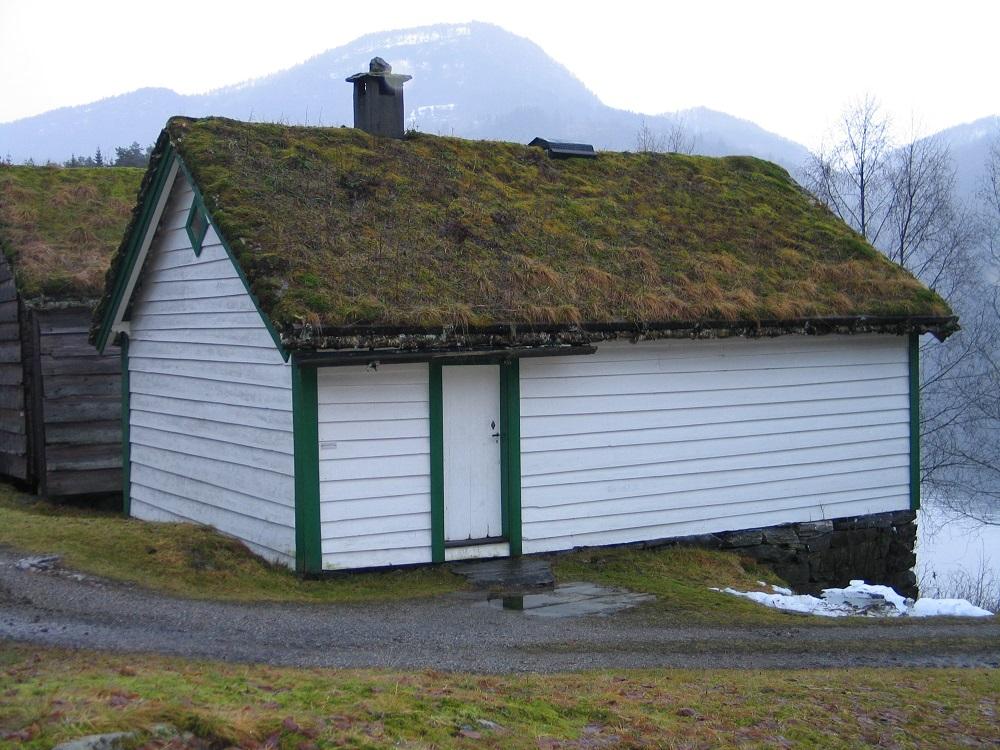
{"type": "Point", "coordinates": [305, 425]}
{"type": "Point", "coordinates": [126, 431]}
{"type": "Point", "coordinates": [437, 462]}
{"type": "Point", "coordinates": [134, 243]}
{"type": "Point", "coordinates": [510, 452]}
{"type": "Point", "coordinates": [197, 224]}
{"type": "Point", "coordinates": [914, 360]}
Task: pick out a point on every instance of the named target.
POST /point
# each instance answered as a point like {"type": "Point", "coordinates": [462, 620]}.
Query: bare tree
{"type": "Point", "coordinates": [677, 138]}
{"type": "Point", "coordinates": [851, 175]}
{"type": "Point", "coordinates": [646, 140]}
{"type": "Point", "coordinates": [901, 198]}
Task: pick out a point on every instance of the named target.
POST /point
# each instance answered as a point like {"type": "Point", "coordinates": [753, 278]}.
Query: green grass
{"type": "Point", "coordinates": [51, 695]}
{"type": "Point", "coordinates": [60, 227]}
{"type": "Point", "coordinates": [188, 560]}
{"type": "Point", "coordinates": [198, 562]}
{"type": "Point", "coordinates": [681, 578]}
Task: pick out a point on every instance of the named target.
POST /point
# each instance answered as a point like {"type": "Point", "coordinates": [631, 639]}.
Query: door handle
{"type": "Point", "coordinates": [495, 434]}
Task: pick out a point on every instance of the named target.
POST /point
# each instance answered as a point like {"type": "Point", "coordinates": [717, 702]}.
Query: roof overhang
{"type": "Point", "coordinates": [521, 336]}
{"type": "Point", "coordinates": [136, 246]}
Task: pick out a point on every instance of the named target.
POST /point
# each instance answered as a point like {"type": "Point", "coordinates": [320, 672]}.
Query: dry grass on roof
{"type": "Point", "coordinates": [60, 227]}
{"type": "Point", "coordinates": [337, 227]}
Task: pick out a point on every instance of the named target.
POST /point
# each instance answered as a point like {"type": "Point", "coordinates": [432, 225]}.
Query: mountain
{"type": "Point", "coordinates": [970, 146]}
{"type": "Point", "coordinates": [472, 80]}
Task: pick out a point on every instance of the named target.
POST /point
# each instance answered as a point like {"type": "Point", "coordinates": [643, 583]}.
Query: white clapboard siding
{"type": "Point", "coordinates": [374, 465]}
{"type": "Point", "coordinates": [210, 403]}
{"type": "Point", "coordinates": [661, 439]}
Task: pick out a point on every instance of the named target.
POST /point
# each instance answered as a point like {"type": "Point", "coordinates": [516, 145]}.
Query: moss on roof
{"type": "Point", "coordinates": [337, 228]}
{"type": "Point", "coordinates": [60, 227]}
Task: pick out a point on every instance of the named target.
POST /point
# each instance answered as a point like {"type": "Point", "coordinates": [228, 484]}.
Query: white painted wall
{"type": "Point", "coordinates": [660, 439]}
{"type": "Point", "coordinates": [211, 403]}
{"type": "Point", "coordinates": [374, 453]}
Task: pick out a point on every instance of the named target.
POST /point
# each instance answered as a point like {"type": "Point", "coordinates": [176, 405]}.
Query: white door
{"type": "Point", "coordinates": [470, 401]}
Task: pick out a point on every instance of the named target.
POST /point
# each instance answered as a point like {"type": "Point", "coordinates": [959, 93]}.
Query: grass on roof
{"type": "Point", "coordinates": [60, 227]}
{"type": "Point", "coordinates": [336, 227]}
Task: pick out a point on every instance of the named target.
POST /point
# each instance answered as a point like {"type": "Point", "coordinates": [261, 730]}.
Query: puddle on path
{"type": "Point", "coordinates": [570, 600]}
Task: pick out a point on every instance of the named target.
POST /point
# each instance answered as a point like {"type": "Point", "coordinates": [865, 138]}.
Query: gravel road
{"type": "Point", "coordinates": [452, 632]}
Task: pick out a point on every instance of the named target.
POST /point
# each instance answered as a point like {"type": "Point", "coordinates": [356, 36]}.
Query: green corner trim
{"type": "Point", "coordinates": [134, 243]}
{"type": "Point", "coordinates": [510, 452]}
{"type": "Point", "coordinates": [914, 360]}
{"type": "Point", "coordinates": [305, 425]}
{"type": "Point", "coordinates": [437, 462]}
{"type": "Point", "coordinates": [126, 431]}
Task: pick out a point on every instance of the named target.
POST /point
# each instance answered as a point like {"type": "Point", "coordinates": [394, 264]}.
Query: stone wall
{"type": "Point", "coordinates": [823, 554]}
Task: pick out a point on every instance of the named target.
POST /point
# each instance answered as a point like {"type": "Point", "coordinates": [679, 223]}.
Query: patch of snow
{"type": "Point", "coordinates": [415, 38]}
{"type": "Point", "coordinates": [947, 607]}
{"type": "Point", "coordinates": [859, 598]}
{"type": "Point", "coordinates": [862, 596]}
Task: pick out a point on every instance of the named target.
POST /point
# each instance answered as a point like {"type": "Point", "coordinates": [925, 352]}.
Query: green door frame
{"type": "Point", "coordinates": [510, 451]}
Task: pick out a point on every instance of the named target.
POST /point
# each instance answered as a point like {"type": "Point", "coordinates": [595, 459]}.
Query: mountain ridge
{"type": "Point", "coordinates": [473, 80]}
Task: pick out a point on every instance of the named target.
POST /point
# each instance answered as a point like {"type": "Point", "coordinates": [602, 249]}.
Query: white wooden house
{"type": "Point", "coordinates": [352, 351]}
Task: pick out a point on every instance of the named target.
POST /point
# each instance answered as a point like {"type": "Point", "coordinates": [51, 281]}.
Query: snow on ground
{"type": "Point", "coordinates": [859, 598]}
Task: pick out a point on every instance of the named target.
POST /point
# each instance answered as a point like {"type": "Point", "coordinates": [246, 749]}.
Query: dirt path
{"type": "Point", "coordinates": [453, 632]}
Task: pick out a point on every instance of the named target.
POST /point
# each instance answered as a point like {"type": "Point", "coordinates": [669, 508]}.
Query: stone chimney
{"type": "Point", "coordinates": [378, 99]}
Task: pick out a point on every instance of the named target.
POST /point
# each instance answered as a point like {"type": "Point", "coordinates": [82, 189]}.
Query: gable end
{"type": "Point", "coordinates": [127, 265]}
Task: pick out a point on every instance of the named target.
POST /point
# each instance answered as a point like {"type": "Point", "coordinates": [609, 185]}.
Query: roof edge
{"type": "Point", "coordinates": [450, 338]}
{"type": "Point", "coordinates": [160, 161]}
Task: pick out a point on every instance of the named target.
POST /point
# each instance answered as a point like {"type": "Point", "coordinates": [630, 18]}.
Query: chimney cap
{"type": "Point", "coordinates": [379, 68]}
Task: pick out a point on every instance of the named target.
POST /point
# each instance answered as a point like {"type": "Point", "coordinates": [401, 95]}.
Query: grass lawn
{"type": "Point", "coordinates": [51, 695]}
{"type": "Point", "coordinates": [197, 562]}
{"type": "Point", "coordinates": [188, 560]}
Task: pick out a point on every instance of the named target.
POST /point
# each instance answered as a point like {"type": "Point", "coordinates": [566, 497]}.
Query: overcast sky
{"type": "Point", "coordinates": [788, 66]}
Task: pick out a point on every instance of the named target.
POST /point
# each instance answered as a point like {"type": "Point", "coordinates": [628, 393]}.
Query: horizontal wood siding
{"type": "Point", "coordinates": [13, 425]}
{"type": "Point", "coordinates": [374, 448]}
{"type": "Point", "coordinates": [79, 404]}
{"type": "Point", "coordinates": [661, 439]}
{"type": "Point", "coordinates": [211, 405]}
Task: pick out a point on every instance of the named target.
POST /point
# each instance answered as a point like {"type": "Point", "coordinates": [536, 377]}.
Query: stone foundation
{"type": "Point", "coordinates": [816, 555]}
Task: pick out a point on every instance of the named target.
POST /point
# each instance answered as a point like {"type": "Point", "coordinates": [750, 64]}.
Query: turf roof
{"type": "Point", "coordinates": [59, 227]}
{"type": "Point", "coordinates": [338, 230]}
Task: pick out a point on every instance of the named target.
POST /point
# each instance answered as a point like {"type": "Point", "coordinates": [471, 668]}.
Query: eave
{"type": "Point", "coordinates": [514, 336]}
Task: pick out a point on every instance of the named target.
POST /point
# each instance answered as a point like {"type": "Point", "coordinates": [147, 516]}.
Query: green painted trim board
{"type": "Point", "coordinates": [126, 430]}
{"type": "Point", "coordinates": [437, 461]}
{"type": "Point", "coordinates": [510, 451]}
{"type": "Point", "coordinates": [305, 425]}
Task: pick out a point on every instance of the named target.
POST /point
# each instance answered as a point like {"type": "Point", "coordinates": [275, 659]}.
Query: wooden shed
{"type": "Point", "coordinates": [60, 429]}
{"type": "Point", "coordinates": [352, 351]}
